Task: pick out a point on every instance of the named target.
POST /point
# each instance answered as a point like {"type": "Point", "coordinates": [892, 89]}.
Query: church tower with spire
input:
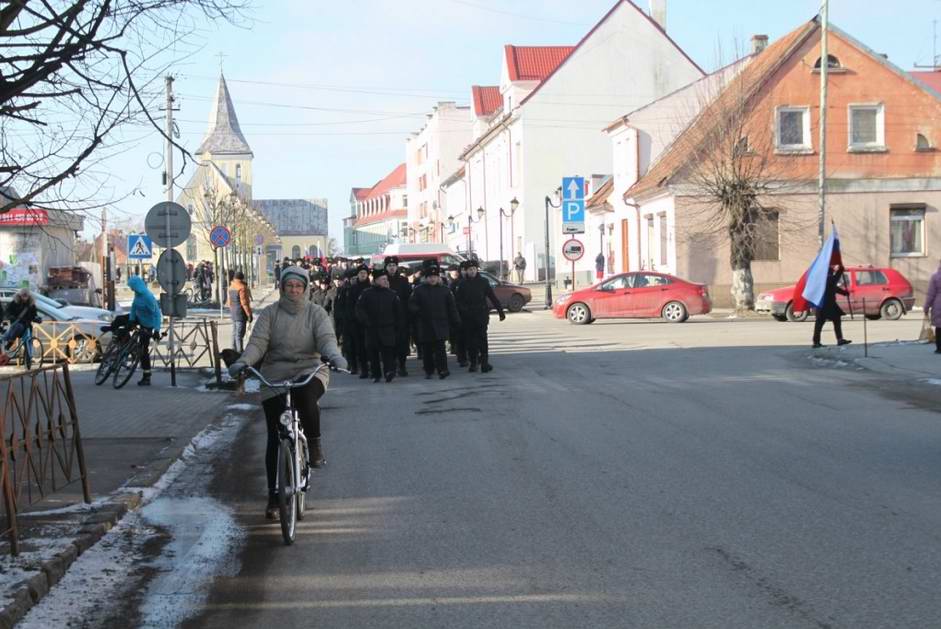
{"type": "Point", "coordinates": [225, 146]}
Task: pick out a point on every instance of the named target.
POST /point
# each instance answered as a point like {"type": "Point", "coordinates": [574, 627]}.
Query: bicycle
{"type": "Point", "coordinates": [24, 350]}
{"type": "Point", "coordinates": [293, 456]}
{"type": "Point", "coordinates": [128, 359]}
{"type": "Point", "coordinates": [120, 330]}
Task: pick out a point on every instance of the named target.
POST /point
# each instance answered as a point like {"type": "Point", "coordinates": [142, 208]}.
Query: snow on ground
{"type": "Point", "coordinates": [933, 381]}
{"type": "Point", "coordinates": [201, 540]}
{"type": "Point", "coordinates": [242, 407]}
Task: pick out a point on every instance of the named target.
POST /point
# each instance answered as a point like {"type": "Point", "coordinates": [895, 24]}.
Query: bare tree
{"type": "Point", "coordinates": [736, 180]}
{"type": "Point", "coordinates": [72, 73]}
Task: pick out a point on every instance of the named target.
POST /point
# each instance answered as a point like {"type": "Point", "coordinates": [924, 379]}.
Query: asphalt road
{"type": "Point", "coordinates": [614, 475]}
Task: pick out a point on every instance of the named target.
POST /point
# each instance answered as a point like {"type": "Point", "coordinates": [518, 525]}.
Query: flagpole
{"type": "Point", "coordinates": [824, 67]}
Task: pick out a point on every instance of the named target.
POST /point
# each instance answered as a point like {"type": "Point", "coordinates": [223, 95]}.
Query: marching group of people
{"type": "Point", "coordinates": [380, 314]}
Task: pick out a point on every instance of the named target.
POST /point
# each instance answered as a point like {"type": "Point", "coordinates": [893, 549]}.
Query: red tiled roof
{"type": "Point", "coordinates": [395, 179]}
{"type": "Point", "coordinates": [487, 99]}
{"type": "Point", "coordinates": [751, 79]}
{"type": "Point", "coordinates": [534, 63]}
{"type": "Point", "coordinates": [931, 78]}
{"type": "Point", "coordinates": [360, 193]}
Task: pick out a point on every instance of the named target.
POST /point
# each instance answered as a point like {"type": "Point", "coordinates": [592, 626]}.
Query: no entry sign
{"type": "Point", "coordinates": [573, 250]}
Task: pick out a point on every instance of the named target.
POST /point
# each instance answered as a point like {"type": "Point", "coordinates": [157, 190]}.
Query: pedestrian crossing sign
{"type": "Point", "coordinates": [139, 247]}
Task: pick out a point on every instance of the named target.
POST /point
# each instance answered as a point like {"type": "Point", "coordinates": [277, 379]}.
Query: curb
{"type": "Point", "coordinates": [93, 527]}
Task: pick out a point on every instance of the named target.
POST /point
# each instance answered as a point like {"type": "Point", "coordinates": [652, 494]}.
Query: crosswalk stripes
{"type": "Point", "coordinates": [548, 341]}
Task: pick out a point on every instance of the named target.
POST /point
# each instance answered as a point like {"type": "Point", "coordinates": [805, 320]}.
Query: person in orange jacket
{"type": "Point", "coordinates": [240, 309]}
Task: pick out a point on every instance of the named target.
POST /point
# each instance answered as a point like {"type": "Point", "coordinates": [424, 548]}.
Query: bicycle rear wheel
{"type": "Point", "coordinates": [126, 365]}
{"type": "Point", "coordinates": [287, 493]}
{"type": "Point", "coordinates": [106, 366]}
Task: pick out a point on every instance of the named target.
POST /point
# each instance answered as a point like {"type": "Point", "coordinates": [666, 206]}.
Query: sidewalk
{"type": "Point", "coordinates": [131, 437]}
{"type": "Point", "coordinates": [910, 360]}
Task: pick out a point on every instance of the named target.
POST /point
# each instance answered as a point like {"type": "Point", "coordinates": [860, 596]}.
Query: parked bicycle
{"type": "Point", "coordinates": [294, 469]}
{"type": "Point", "coordinates": [120, 330]}
{"type": "Point", "coordinates": [25, 350]}
{"type": "Point", "coordinates": [126, 362]}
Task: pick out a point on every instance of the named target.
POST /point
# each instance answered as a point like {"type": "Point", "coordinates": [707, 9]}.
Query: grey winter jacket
{"type": "Point", "coordinates": [291, 344]}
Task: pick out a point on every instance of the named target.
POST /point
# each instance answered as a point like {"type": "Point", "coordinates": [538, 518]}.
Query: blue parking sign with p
{"type": "Point", "coordinates": [573, 205]}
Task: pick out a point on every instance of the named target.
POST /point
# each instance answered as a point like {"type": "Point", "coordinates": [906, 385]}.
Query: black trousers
{"type": "Point", "coordinates": [305, 401]}
{"type": "Point", "coordinates": [354, 342]}
{"type": "Point", "coordinates": [146, 335]}
{"type": "Point", "coordinates": [434, 357]}
{"type": "Point", "coordinates": [459, 343]}
{"type": "Point", "coordinates": [478, 346]}
{"type": "Point", "coordinates": [403, 343]}
{"type": "Point", "coordinates": [937, 338]}
{"type": "Point", "coordinates": [837, 326]}
{"type": "Point", "coordinates": [384, 353]}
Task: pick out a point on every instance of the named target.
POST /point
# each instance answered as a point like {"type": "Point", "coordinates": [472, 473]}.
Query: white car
{"type": "Point", "coordinates": [81, 312]}
{"type": "Point", "coordinates": [89, 339]}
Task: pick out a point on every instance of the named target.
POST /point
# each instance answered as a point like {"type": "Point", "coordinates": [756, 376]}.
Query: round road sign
{"type": "Point", "coordinates": [171, 271]}
{"type": "Point", "coordinates": [220, 236]}
{"type": "Point", "coordinates": [573, 250]}
{"type": "Point", "coordinates": [168, 224]}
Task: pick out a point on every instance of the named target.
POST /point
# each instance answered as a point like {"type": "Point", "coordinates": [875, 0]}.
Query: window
{"type": "Point", "coordinates": [295, 252]}
{"type": "Point", "coordinates": [907, 231]}
{"type": "Point", "coordinates": [767, 238]}
{"type": "Point", "coordinates": [664, 240]}
{"type": "Point", "coordinates": [645, 280]}
{"type": "Point", "coordinates": [792, 131]}
{"type": "Point", "coordinates": [618, 283]}
{"type": "Point", "coordinates": [832, 63]}
{"type": "Point", "coordinates": [422, 182]}
{"type": "Point", "coordinates": [870, 278]}
{"type": "Point", "coordinates": [922, 143]}
{"type": "Point", "coordinates": [238, 173]}
{"type": "Point", "coordinates": [191, 252]}
{"type": "Point", "coordinates": [867, 127]}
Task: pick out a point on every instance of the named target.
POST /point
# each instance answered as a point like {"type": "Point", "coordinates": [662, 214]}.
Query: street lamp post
{"type": "Point", "coordinates": [470, 221]}
{"type": "Point", "coordinates": [549, 204]}
{"type": "Point", "coordinates": [503, 213]}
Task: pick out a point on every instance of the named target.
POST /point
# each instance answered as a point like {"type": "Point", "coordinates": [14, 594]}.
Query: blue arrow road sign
{"type": "Point", "coordinates": [139, 247]}
{"type": "Point", "coordinates": [573, 205]}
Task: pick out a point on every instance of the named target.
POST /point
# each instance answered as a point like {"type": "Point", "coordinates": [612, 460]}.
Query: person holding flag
{"type": "Point", "coordinates": [819, 286]}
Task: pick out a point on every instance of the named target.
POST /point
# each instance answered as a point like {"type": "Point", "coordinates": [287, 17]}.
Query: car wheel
{"type": "Point", "coordinates": [873, 317]}
{"type": "Point", "coordinates": [674, 312]}
{"type": "Point", "coordinates": [516, 302]}
{"type": "Point", "coordinates": [795, 316]}
{"type": "Point", "coordinates": [782, 318]}
{"type": "Point", "coordinates": [82, 349]}
{"type": "Point", "coordinates": [579, 314]}
{"type": "Point", "coordinates": [892, 310]}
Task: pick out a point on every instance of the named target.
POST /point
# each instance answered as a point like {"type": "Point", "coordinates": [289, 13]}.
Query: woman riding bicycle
{"type": "Point", "coordinates": [290, 337]}
{"type": "Point", "coordinates": [21, 313]}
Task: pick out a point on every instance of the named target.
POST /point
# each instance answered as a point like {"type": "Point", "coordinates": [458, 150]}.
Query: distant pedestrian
{"type": "Point", "coordinates": [277, 273]}
{"type": "Point", "coordinates": [933, 307]}
{"type": "Point", "coordinates": [377, 310]}
{"type": "Point", "coordinates": [433, 308]}
{"type": "Point", "coordinates": [401, 287]}
{"type": "Point", "coordinates": [519, 263]}
{"type": "Point", "coordinates": [240, 309]}
{"type": "Point", "coordinates": [472, 295]}
{"type": "Point", "coordinates": [829, 310]}
{"type": "Point", "coordinates": [599, 267]}
{"type": "Point", "coordinates": [146, 313]}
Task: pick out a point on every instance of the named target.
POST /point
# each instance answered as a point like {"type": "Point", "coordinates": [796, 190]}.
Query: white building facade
{"type": "Point", "coordinates": [555, 102]}
{"type": "Point", "coordinates": [431, 155]}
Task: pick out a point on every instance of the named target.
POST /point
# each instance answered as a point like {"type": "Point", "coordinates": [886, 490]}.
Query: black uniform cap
{"type": "Point", "coordinates": [432, 270]}
{"type": "Point", "coordinates": [390, 260]}
{"type": "Point", "coordinates": [466, 264]}
{"type": "Point", "coordinates": [453, 267]}
{"type": "Point", "coordinates": [361, 268]}
{"type": "Point", "coordinates": [377, 273]}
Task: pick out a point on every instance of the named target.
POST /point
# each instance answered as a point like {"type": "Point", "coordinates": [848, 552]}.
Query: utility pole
{"type": "Point", "coordinates": [169, 165]}
{"type": "Point", "coordinates": [824, 67]}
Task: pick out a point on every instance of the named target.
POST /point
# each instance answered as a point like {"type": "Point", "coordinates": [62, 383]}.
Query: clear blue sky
{"type": "Point", "coordinates": [376, 66]}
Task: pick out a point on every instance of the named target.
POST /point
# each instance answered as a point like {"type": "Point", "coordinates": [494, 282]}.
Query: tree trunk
{"type": "Point", "coordinates": [743, 289]}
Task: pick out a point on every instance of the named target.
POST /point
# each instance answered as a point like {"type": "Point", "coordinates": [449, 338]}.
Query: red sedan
{"type": "Point", "coordinates": [635, 295]}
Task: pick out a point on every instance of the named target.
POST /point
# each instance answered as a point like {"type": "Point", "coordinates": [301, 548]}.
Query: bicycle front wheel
{"type": "Point", "coordinates": [126, 365]}
{"type": "Point", "coordinates": [303, 482]}
{"type": "Point", "coordinates": [106, 365]}
{"type": "Point", "coordinates": [287, 490]}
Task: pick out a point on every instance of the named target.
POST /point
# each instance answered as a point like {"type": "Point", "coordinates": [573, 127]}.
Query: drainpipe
{"type": "Point", "coordinates": [637, 209]}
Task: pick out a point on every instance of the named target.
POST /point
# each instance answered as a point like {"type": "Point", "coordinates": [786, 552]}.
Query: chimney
{"type": "Point", "coordinates": [658, 13]}
{"type": "Point", "coordinates": [759, 43]}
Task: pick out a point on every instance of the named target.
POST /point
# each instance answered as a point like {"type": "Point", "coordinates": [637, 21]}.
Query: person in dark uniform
{"type": "Point", "coordinates": [340, 310]}
{"type": "Point", "coordinates": [413, 322]}
{"type": "Point", "coordinates": [357, 333]}
{"type": "Point", "coordinates": [401, 287]}
{"type": "Point", "coordinates": [472, 295]}
{"type": "Point", "coordinates": [829, 310]}
{"type": "Point", "coordinates": [432, 306]}
{"type": "Point", "coordinates": [458, 343]}
{"type": "Point", "coordinates": [378, 311]}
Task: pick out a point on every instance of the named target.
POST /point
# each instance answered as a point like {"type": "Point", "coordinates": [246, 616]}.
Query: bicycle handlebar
{"type": "Point", "coordinates": [290, 384]}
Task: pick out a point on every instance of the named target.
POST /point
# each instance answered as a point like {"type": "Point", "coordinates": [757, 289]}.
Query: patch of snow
{"type": "Point", "coordinates": [933, 381]}
{"type": "Point", "coordinates": [74, 508]}
{"type": "Point", "coordinates": [252, 386]}
{"type": "Point", "coordinates": [242, 407]}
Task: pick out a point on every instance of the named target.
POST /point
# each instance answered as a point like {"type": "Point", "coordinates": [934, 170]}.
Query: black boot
{"type": "Point", "coordinates": [390, 376]}
{"type": "Point", "coordinates": [364, 373]}
{"type": "Point", "coordinates": [486, 367]}
{"type": "Point", "coordinates": [145, 380]}
{"type": "Point", "coordinates": [316, 454]}
{"type": "Point", "coordinates": [271, 511]}
{"type": "Point", "coordinates": [403, 372]}
{"type": "Point", "coordinates": [473, 367]}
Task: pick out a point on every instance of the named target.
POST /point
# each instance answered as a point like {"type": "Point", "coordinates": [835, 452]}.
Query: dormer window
{"type": "Point", "coordinates": [922, 143]}
{"type": "Point", "coordinates": [832, 63]}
